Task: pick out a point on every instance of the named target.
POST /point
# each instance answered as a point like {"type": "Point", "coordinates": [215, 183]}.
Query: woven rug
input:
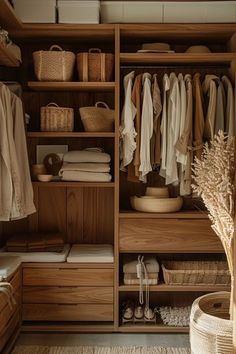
{"type": "Point", "coordinates": [34, 349]}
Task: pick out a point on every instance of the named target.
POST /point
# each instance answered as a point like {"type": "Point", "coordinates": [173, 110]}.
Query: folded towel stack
{"type": "Point", "coordinates": [35, 242]}
{"type": "Point", "coordinates": [89, 165]}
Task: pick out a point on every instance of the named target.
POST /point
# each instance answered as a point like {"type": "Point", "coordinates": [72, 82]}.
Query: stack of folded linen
{"type": "Point", "coordinates": [89, 165]}
{"type": "Point", "coordinates": [35, 242]}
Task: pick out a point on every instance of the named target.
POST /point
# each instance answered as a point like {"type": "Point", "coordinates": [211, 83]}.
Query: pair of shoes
{"type": "Point", "coordinates": [127, 311]}
{"type": "Point", "coordinates": [144, 314]}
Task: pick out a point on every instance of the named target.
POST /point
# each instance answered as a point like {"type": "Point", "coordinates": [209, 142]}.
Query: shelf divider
{"type": "Point", "coordinates": [71, 86]}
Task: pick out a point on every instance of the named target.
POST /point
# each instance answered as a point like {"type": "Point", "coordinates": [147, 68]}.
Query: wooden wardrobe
{"type": "Point", "coordinates": [87, 297]}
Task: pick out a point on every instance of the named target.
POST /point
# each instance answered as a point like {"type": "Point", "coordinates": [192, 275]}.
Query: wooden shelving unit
{"type": "Point", "coordinates": [6, 57]}
{"type": "Point", "coordinates": [177, 58]}
{"type": "Point", "coordinates": [177, 288]}
{"type": "Point", "coordinates": [146, 328]}
{"type": "Point", "coordinates": [71, 86]}
{"type": "Point", "coordinates": [70, 135]}
{"type": "Point", "coordinates": [132, 214]}
{"type": "Point", "coordinates": [63, 184]}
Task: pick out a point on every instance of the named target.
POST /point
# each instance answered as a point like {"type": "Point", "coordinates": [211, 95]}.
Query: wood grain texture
{"type": "Point", "coordinates": [67, 295]}
{"type": "Point", "coordinates": [171, 235]}
{"type": "Point", "coordinates": [8, 18]}
{"type": "Point", "coordinates": [81, 312]}
{"type": "Point", "coordinates": [8, 312]}
{"type": "Point", "coordinates": [68, 277]}
{"type": "Point", "coordinates": [71, 86]}
{"type": "Point", "coordinates": [70, 135]}
{"type": "Point", "coordinates": [69, 327]}
{"type": "Point", "coordinates": [9, 329]}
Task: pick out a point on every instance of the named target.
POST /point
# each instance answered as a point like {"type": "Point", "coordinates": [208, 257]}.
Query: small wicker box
{"type": "Point", "coordinates": [56, 119]}
{"type": "Point", "coordinates": [196, 272]}
{"type": "Point", "coordinates": [95, 65]}
{"type": "Point", "coordinates": [54, 65]}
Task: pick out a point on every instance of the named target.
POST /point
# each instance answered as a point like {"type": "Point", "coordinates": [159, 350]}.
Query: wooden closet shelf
{"type": "Point", "coordinates": [132, 214]}
{"type": "Point", "coordinates": [173, 288]}
{"type": "Point", "coordinates": [151, 328]}
{"type": "Point", "coordinates": [6, 57]}
{"type": "Point", "coordinates": [177, 58]}
{"type": "Point", "coordinates": [71, 86]}
{"type": "Point", "coordinates": [74, 184]}
{"type": "Point", "coordinates": [67, 327]}
{"type": "Point", "coordinates": [70, 135]}
{"type": "Point", "coordinates": [66, 265]}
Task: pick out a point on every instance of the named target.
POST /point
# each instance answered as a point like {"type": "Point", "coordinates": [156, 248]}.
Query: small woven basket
{"type": "Point", "coordinates": [54, 65]}
{"type": "Point", "coordinates": [98, 119]}
{"type": "Point", "coordinates": [95, 65]}
{"type": "Point", "coordinates": [211, 331]}
{"type": "Point", "coordinates": [56, 119]}
{"type": "Point", "coordinates": [196, 272]}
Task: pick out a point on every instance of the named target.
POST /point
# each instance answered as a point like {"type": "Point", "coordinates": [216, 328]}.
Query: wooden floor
{"type": "Point", "coordinates": [165, 340]}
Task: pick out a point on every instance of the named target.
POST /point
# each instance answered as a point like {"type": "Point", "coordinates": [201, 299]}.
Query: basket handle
{"type": "Point", "coordinates": [55, 46]}
{"type": "Point", "coordinates": [52, 104]}
{"type": "Point", "coordinates": [101, 103]}
{"type": "Point", "coordinates": [94, 50]}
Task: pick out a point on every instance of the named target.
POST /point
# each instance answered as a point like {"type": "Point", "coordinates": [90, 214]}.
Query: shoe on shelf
{"type": "Point", "coordinates": [127, 311]}
{"type": "Point", "coordinates": [138, 313]}
{"type": "Point", "coordinates": [149, 314]}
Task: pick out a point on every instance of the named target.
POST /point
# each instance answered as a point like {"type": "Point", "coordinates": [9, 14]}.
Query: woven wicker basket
{"type": "Point", "coordinates": [196, 272]}
{"type": "Point", "coordinates": [95, 65]}
{"type": "Point", "coordinates": [54, 65]}
{"type": "Point", "coordinates": [210, 329]}
{"type": "Point", "coordinates": [98, 119]}
{"type": "Point", "coordinates": [56, 119]}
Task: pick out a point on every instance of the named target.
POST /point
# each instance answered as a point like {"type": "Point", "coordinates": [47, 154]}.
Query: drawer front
{"type": "Point", "coordinates": [49, 312]}
{"type": "Point", "coordinates": [16, 280]}
{"type": "Point", "coordinates": [6, 311]}
{"type": "Point", "coordinates": [67, 295]}
{"type": "Point", "coordinates": [168, 235]}
{"type": "Point", "coordinates": [68, 277]}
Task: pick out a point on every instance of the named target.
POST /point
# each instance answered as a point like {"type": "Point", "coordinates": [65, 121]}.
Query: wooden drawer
{"type": "Point", "coordinates": [16, 280]}
{"type": "Point", "coordinates": [68, 277]}
{"type": "Point", "coordinates": [67, 295]}
{"type": "Point", "coordinates": [6, 311]}
{"type": "Point", "coordinates": [168, 235]}
{"type": "Point", "coordinates": [82, 312]}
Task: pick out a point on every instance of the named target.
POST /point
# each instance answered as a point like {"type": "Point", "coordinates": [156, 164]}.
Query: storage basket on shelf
{"type": "Point", "coordinates": [54, 64]}
{"type": "Point", "coordinates": [211, 331]}
{"type": "Point", "coordinates": [98, 119]}
{"type": "Point", "coordinates": [95, 65]}
{"type": "Point", "coordinates": [56, 119]}
{"type": "Point", "coordinates": [196, 272]}
{"type": "Point", "coordinates": [148, 266]}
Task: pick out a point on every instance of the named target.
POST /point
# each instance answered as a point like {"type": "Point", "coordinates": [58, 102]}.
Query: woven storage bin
{"type": "Point", "coordinates": [132, 279]}
{"type": "Point", "coordinates": [54, 65]}
{"type": "Point", "coordinates": [98, 119]}
{"type": "Point", "coordinates": [196, 272]}
{"type": "Point", "coordinates": [95, 65]}
{"type": "Point", "coordinates": [211, 332]}
{"type": "Point", "coordinates": [56, 119]}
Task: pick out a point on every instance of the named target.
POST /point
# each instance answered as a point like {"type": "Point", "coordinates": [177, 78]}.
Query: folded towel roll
{"type": "Point", "coordinates": [85, 167]}
{"type": "Point", "coordinates": [81, 176]}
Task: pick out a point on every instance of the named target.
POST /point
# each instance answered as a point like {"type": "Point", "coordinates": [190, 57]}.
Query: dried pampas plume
{"type": "Point", "coordinates": [213, 177]}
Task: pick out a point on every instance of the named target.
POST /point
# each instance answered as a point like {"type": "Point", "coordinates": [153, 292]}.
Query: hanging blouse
{"type": "Point", "coordinates": [220, 107]}
{"type": "Point", "coordinates": [210, 89]}
{"type": "Point", "coordinates": [156, 138]}
{"type": "Point", "coordinates": [181, 156]}
{"type": "Point", "coordinates": [164, 124]}
{"type": "Point", "coordinates": [173, 127]}
{"type": "Point", "coordinates": [146, 128]}
{"type": "Point", "coordinates": [229, 114]}
{"type": "Point", "coordinates": [127, 129]}
{"type": "Point", "coordinates": [199, 122]}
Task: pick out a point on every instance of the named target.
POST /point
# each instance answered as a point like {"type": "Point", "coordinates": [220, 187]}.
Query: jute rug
{"type": "Point", "coordinates": [27, 349]}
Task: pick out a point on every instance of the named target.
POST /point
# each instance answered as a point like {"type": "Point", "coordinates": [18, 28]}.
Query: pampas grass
{"type": "Point", "coordinates": [213, 177]}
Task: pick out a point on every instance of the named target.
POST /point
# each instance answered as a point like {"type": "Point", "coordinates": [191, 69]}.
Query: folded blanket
{"type": "Point", "coordinates": [35, 242]}
{"type": "Point", "coordinates": [82, 176]}
{"type": "Point", "coordinates": [86, 167]}
{"type": "Point", "coordinates": [88, 155]}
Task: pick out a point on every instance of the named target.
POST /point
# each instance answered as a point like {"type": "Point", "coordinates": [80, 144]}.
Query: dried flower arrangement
{"type": "Point", "coordinates": [213, 177]}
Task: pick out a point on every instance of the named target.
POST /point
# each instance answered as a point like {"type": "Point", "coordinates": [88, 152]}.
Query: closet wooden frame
{"type": "Point", "coordinates": [22, 32]}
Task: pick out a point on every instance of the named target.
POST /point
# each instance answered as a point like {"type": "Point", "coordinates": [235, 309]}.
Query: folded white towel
{"type": "Point", "coordinates": [82, 176]}
{"type": "Point", "coordinates": [85, 166]}
{"type": "Point", "coordinates": [90, 155]}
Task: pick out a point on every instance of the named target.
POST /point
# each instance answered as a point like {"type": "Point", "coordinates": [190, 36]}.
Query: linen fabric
{"type": "Point", "coordinates": [87, 155]}
{"type": "Point", "coordinates": [82, 176]}
{"type": "Point", "coordinates": [85, 167]}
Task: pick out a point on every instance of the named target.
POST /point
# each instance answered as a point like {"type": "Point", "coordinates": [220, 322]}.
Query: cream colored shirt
{"type": "Point", "coordinates": [229, 116]}
{"type": "Point", "coordinates": [210, 89]}
{"type": "Point", "coordinates": [164, 124]}
{"type": "Point", "coordinates": [127, 129]}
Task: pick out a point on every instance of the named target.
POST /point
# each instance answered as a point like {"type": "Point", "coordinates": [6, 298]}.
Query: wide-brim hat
{"type": "Point", "coordinates": [155, 48]}
{"type": "Point", "coordinates": [198, 49]}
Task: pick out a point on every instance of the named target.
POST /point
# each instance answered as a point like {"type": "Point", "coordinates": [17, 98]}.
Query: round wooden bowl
{"type": "Point", "coordinates": [44, 178]}
{"type": "Point", "coordinates": [159, 192]}
{"type": "Point", "coordinates": [156, 205]}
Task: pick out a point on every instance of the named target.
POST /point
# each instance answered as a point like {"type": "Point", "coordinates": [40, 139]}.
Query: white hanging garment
{"type": "Point", "coordinates": [127, 129]}
{"type": "Point", "coordinates": [164, 124]}
{"type": "Point", "coordinates": [229, 115]}
{"type": "Point", "coordinates": [146, 128]}
{"type": "Point", "coordinates": [173, 128]}
{"type": "Point", "coordinates": [182, 157]}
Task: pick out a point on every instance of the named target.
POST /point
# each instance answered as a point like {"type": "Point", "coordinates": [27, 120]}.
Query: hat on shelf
{"type": "Point", "coordinates": [155, 48]}
{"type": "Point", "coordinates": [198, 49]}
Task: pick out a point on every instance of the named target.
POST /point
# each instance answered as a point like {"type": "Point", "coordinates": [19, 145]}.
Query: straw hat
{"type": "Point", "coordinates": [198, 49]}
{"type": "Point", "coordinates": [155, 48]}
